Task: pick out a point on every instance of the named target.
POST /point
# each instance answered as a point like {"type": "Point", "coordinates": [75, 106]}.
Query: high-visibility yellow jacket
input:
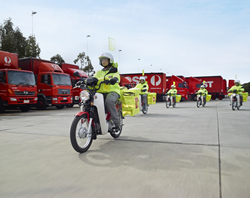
{"type": "Point", "coordinates": [172, 91]}
{"type": "Point", "coordinates": [204, 91]}
{"type": "Point", "coordinates": [108, 88]}
{"type": "Point", "coordinates": [140, 86]}
{"type": "Point", "coordinates": [239, 89]}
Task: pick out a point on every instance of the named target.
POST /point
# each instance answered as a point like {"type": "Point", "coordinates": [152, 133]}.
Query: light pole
{"type": "Point", "coordinates": [119, 62]}
{"type": "Point", "coordinates": [87, 44]}
{"type": "Point", "coordinates": [32, 13]}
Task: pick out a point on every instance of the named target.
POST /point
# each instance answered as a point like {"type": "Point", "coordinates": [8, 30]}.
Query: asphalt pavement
{"type": "Point", "coordinates": [182, 152]}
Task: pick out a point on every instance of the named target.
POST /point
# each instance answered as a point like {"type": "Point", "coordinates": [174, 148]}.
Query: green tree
{"type": "Point", "coordinates": [12, 40]}
{"type": "Point", "coordinates": [247, 87]}
{"type": "Point", "coordinates": [57, 59]}
{"type": "Point", "coordinates": [32, 49]}
{"type": "Point", "coordinates": [85, 64]}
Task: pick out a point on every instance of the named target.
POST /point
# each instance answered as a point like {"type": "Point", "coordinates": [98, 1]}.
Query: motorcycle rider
{"type": "Point", "coordinates": [143, 85]}
{"type": "Point", "coordinates": [204, 92]}
{"type": "Point", "coordinates": [111, 92]}
{"type": "Point", "coordinates": [173, 92]}
{"type": "Point", "coordinates": [239, 89]}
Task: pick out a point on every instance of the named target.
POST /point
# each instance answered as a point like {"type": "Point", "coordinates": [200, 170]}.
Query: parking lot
{"type": "Point", "coordinates": [177, 152]}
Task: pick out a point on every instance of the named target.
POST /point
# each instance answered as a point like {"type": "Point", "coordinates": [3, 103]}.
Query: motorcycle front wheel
{"type": "Point", "coordinates": [144, 109]}
{"type": "Point", "coordinates": [233, 105]}
{"type": "Point", "coordinates": [167, 104]}
{"type": "Point", "coordinates": [198, 103]}
{"type": "Point", "coordinates": [80, 139]}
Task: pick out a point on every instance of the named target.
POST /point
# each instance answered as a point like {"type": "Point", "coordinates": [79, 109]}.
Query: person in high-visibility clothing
{"type": "Point", "coordinates": [204, 92]}
{"type": "Point", "coordinates": [143, 86]}
{"type": "Point", "coordinates": [111, 92]}
{"type": "Point", "coordinates": [238, 89]}
{"type": "Point", "coordinates": [173, 92]}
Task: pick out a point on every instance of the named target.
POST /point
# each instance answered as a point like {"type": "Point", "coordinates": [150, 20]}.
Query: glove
{"type": "Point", "coordinates": [143, 90]}
{"type": "Point", "coordinates": [113, 80]}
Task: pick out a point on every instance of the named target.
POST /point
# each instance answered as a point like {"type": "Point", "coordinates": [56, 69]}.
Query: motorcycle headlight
{"type": "Point", "coordinates": [84, 95]}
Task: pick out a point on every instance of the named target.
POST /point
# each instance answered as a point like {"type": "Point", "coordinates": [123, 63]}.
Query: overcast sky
{"type": "Point", "coordinates": [180, 37]}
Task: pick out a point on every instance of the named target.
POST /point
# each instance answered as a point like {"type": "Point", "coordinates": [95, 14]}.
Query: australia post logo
{"type": "Point", "coordinates": [7, 61]}
{"type": "Point", "coordinates": [154, 80]}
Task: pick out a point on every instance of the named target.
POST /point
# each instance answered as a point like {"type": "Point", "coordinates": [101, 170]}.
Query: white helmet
{"type": "Point", "coordinates": [108, 56]}
{"type": "Point", "coordinates": [236, 81]}
{"type": "Point", "coordinates": [142, 78]}
{"type": "Point", "coordinates": [172, 86]}
{"type": "Point", "coordinates": [202, 86]}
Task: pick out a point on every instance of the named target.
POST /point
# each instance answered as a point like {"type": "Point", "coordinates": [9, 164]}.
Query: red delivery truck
{"type": "Point", "coordinates": [180, 84]}
{"type": "Point", "coordinates": [17, 87]}
{"type": "Point", "coordinates": [215, 85]}
{"type": "Point", "coordinates": [156, 82]}
{"type": "Point", "coordinates": [193, 86]}
{"type": "Point", "coordinates": [230, 83]}
{"type": "Point", "coordinates": [53, 85]}
{"type": "Point", "coordinates": [70, 69]}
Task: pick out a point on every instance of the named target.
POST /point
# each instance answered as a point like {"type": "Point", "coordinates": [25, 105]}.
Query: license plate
{"type": "Point", "coordinates": [26, 101]}
{"type": "Point", "coordinates": [64, 98]}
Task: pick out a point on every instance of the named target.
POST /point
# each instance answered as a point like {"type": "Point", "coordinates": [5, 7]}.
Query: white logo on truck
{"type": "Point", "coordinates": [153, 80]}
{"type": "Point", "coordinates": [208, 83]}
{"type": "Point", "coordinates": [54, 66]}
{"type": "Point", "coordinates": [7, 59]}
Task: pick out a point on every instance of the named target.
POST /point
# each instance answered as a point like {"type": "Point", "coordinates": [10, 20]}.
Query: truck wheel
{"type": "Point", "coordinates": [41, 103]}
{"type": "Point", "coordinates": [220, 97]}
{"type": "Point", "coordinates": [213, 97]}
{"type": "Point", "coordinates": [25, 108]}
{"type": "Point", "coordinates": [60, 107]}
{"type": "Point", "coordinates": [2, 108]}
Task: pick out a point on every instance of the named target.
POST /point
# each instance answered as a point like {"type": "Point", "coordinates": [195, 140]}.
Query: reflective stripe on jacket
{"type": "Point", "coordinates": [140, 86]}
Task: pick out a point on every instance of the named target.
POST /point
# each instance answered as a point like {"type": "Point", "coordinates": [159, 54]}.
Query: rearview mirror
{"type": "Point", "coordinates": [112, 70]}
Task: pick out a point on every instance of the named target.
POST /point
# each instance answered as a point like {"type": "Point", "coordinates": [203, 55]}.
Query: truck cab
{"type": "Point", "coordinates": [17, 87]}
{"type": "Point", "coordinates": [53, 85]}
{"type": "Point", "coordinates": [70, 69]}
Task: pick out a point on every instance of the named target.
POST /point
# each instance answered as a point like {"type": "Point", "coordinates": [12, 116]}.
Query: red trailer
{"type": "Point", "coordinates": [156, 82]}
{"type": "Point", "coordinates": [70, 69]}
{"type": "Point", "coordinates": [53, 85]}
{"type": "Point", "coordinates": [193, 86]}
{"type": "Point", "coordinates": [230, 83]}
{"type": "Point", "coordinates": [215, 85]}
{"type": "Point", "coordinates": [17, 87]}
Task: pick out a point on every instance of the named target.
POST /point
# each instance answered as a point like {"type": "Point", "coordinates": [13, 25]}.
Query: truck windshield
{"type": "Point", "coordinates": [61, 79]}
{"type": "Point", "coordinates": [21, 78]}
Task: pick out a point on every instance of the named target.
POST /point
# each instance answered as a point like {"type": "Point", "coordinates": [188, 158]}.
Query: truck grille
{"type": "Point", "coordinates": [24, 93]}
{"type": "Point", "coordinates": [63, 91]}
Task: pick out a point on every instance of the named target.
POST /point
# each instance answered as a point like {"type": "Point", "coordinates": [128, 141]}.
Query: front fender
{"type": "Point", "coordinates": [81, 113]}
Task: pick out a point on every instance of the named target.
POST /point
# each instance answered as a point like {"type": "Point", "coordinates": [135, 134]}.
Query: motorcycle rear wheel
{"type": "Point", "coordinates": [80, 139]}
